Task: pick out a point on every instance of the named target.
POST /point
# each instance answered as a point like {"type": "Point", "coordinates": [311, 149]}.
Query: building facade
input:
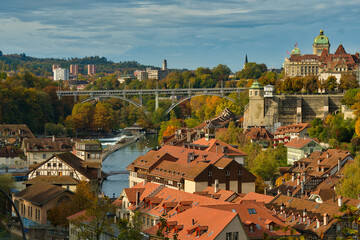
{"type": "Point", "coordinates": [61, 74]}
{"type": "Point", "coordinates": [321, 62]}
{"type": "Point", "coordinates": [91, 70]}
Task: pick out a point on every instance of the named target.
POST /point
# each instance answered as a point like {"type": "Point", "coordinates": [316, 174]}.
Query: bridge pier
{"type": "Point", "coordinates": [156, 101]}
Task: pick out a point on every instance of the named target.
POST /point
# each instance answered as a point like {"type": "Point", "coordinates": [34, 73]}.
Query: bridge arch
{"type": "Point", "coordinates": [119, 97]}
{"type": "Point", "coordinates": [197, 95]}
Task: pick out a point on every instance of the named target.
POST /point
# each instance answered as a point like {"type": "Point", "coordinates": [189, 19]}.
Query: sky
{"type": "Point", "coordinates": [188, 33]}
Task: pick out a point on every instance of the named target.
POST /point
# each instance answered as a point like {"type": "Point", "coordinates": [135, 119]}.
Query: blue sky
{"type": "Point", "coordinates": [187, 33]}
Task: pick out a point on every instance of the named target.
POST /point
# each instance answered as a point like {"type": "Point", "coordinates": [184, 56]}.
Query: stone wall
{"type": "Point", "coordinates": [291, 109]}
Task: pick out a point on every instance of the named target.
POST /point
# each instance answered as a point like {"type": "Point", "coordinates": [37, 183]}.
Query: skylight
{"type": "Point", "coordinates": [251, 211]}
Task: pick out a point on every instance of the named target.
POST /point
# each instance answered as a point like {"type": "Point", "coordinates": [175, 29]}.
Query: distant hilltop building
{"type": "Point", "coordinates": [321, 63]}
{"type": "Point", "coordinates": [74, 69]}
{"type": "Point", "coordinates": [91, 69]}
{"type": "Point", "coordinates": [141, 75]}
{"type": "Point", "coordinates": [61, 74]}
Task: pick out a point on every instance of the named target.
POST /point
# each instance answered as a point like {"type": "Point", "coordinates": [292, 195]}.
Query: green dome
{"type": "Point", "coordinates": [295, 51]}
{"type": "Point", "coordinates": [256, 84]}
{"type": "Point", "coordinates": [321, 39]}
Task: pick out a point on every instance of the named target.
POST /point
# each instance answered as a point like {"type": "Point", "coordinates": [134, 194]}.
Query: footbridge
{"type": "Point", "coordinates": [127, 94]}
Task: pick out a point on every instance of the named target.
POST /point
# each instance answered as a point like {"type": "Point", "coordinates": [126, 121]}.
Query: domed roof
{"type": "Point", "coordinates": [321, 39]}
{"type": "Point", "coordinates": [256, 84]}
{"type": "Point", "coordinates": [295, 51]}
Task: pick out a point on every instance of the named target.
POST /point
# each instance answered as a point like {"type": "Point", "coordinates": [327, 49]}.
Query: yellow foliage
{"type": "Point", "coordinates": [170, 130]}
{"type": "Point", "coordinates": [285, 177]}
{"type": "Point", "coordinates": [357, 127]}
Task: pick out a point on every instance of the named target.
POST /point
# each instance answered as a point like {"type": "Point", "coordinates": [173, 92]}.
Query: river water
{"type": "Point", "coordinates": [119, 160]}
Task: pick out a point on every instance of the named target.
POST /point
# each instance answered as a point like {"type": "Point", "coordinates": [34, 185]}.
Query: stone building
{"type": "Point", "coordinates": [321, 62]}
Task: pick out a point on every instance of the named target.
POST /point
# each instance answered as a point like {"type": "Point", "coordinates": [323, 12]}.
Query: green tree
{"type": "Point", "coordinates": [251, 71]}
{"type": "Point", "coordinates": [130, 229]}
{"type": "Point", "coordinates": [96, 221]}
{"type": "Point", "coordinates": [331, 83]}
{"type": "Point", "coordinates": [349, 185]}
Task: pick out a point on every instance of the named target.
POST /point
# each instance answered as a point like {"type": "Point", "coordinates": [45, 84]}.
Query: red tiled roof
{"type": "Point", "coordinates": [207, 223]}
{"type": "Point", "coordinates": [259, 133]}
{"type": "Point", "coordinates": [294, 128]}
{"type": "Point", "coordinates": [218, 146]}
{"type": "Point", "coordinates": [298, 142]}
{"type": "Point", "coordinates": [257, 197]}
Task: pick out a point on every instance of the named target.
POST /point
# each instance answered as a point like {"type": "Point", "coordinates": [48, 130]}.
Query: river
{"type": "Point", "coordinates": [119, 160]}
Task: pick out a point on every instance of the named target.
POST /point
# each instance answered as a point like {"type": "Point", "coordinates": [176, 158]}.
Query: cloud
{"type": "Point", "coordinates": [147, 29]}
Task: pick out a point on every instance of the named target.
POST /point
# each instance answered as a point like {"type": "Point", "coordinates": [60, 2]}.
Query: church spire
{"type": "Point", "coordinates": [246, 60]}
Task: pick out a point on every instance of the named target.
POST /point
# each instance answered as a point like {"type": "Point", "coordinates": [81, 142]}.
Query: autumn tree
{"type": "Point", "coordinates": [348, 81]}
{"type": "Point", "coordinates": [311, 84]}
{"type": "Point", "coordinates": [82, 116]}
{"type": "Point", "coordinates": [331, 83]}
{"type": "Point", "coordinates": [349, 185]}
{"type": "Point", "coordinates": [103, 117]}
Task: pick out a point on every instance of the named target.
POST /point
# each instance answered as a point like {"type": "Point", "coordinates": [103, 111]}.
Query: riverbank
{"type": "Point", "coordinates": [119, 145]}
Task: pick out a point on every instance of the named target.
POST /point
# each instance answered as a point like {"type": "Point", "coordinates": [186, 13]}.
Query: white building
{"type": "Point", "coordinates": [61, 74]}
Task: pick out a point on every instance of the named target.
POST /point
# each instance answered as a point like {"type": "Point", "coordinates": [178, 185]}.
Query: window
{"type": "Point", "coordinates": [235, 235]}
{"type": "Point", "coordinates": [239, 172]}
{"type": "Point", "coordinates": [60, 165]}
{"type": "Point", "coordinates": [256, 93]}
{"type": "Point", "coordinates": [49, 164]}
{"type": "Point", "coordinates": [37, 173]}
{"type": "Point", "coordinates": [60, 173]}
{"type": "Point", "coordinates": [71, 174]}
{"type": "Point", "coordinates": [251, 228]}
{"type": "Point", "coordinates": [28, 211]}
{"type": "Point", "coordinates": [49, 173]}
{"type": "Point", "coordinates": [44, 155]}
{"type": "Point", "coordinates": [210, 173]}
{"type": "Point", "coordinates": [148, 221]}
{"type": "Point", "coordinates": [227, 172]}
{"type": "Point", "coordinates": [228, 236]}
{"type": "Point", "coordinates": [54, 164]}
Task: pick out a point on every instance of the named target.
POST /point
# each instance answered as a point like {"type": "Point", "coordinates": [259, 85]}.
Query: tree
{"type": "Point", "coordinates": [311, 84]}
{"type": "Point", "coordinates": [348, 81]}
{"type": "Point", "coordinates": [130, 229]}
{"type": "Point", "coordinates": [349, 185]}
{"type": "Point", "coordinates": [95, 220]}
{"type": "Point", "coordinates": [251, 71]}
{"type": "Point", "coordinates": [6, 183]}
{"type": "Point", "coordinates": [350, 97]}
{"type": "Point", "coordinates": [103, 117]}
{"type": "Point", "coordinates": [331, 83]}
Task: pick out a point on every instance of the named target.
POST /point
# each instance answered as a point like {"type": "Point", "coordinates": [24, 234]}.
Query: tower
{"type": "Point", "coordinates": [321, 42]}
{"type": "Point", "coordinates": [164, 65]}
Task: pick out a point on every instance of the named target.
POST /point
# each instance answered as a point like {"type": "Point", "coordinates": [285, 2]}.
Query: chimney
{"type": "Point", "coordinates": [278, 191]}
{"type": "Point", "coordinates": [326, 219]}
{"type": "Point", "coordinates": [216, 185]}
{"type": "Point", "coordinates": [289, 193]}
{"type": "Point", "coordinates": [317, 223]}
{"type": "Point", "coordinates": [282, 207]}
{"type": "Point", "coordinates": [293, 177]}
{"type": "Point", "coordinates": [283, 180]}
{"type": "Point", "coordinates": [298, 181]}
{"type": "Point", "coordinates": [188, 136]}
{"type": "Point", "coordinates": [302, 188]}
{"type": "Point", "coordinates": [304, 212]}
{"type": "Point", "coordinates": [144, 182]}
{"type": "Point", "coordinates": [265, 191]}
{"type": "Point", "coordinates": [193, 221]}
{"type": "Point", "coordinates": [137, 200]}
{"type": "Point", "coordinates": [53, 138]}
{"type": "Point", "coordinates": [327, 155]}
{"type": "Point", "coordinates": [340, 201]}
{"type": "Point", "coordinates": [339, 164]}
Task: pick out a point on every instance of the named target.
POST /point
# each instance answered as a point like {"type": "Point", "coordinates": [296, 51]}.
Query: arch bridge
{"type": "Point", "coordinates": [126, 94]}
